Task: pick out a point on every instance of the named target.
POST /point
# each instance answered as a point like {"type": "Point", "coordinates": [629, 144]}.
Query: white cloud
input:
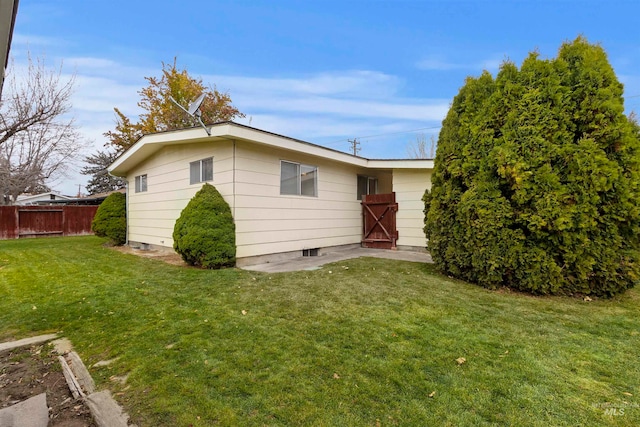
{"type": "Point", "coordinates": [492, 65]}
{"type": "Point", "coordinates": [22, 41]}
{"type": "Point", "coordinates": [349, 108]}
{"type": "Point", "coordinates": [367, 84]}
{"type": "Point", "coordinates": [439, 63]}
{"type": "Point", "coordinates": [325, 108]}
{"type": "Point", "coordinates": [348, 95]}
{"type": "Point", "coordinates": [101, 95]}
{"type": "Point", "coordinates": [330, 108]}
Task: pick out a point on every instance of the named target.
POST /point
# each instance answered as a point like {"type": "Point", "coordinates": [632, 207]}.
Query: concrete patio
{"type": "Point", "coordinates": [315, 262]}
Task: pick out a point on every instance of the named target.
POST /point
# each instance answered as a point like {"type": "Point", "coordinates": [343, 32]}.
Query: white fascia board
{"type": "Point", "coordinates": [401, 164]}
{"type": "Point", "coordinates": [8, 11]}
{"type": "Point", "coordinates": [149, 144]}
{"type": "Point", "coordinates": [277, 141]}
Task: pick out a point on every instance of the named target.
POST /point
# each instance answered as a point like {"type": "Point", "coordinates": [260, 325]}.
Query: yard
{"type": "Point", "coordinates": [363, 342]}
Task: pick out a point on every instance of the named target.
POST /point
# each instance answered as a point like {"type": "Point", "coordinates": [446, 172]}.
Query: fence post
{"type": "Point", "coordinates": [16, 231]}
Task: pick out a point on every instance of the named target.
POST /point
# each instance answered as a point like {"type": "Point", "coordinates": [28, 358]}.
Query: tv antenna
{"type": "Point", "coordinates": [194, 110]}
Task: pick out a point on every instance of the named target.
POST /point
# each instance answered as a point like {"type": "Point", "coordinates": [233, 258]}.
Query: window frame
{"type": "Point", "coordinates": [369, 179]}
{"type": "Point", "coordinates": [201, 177]}
{"type": "Point", "coordinates": [141, 183]}
{"type": "Point", "coordinates": [300, 167]}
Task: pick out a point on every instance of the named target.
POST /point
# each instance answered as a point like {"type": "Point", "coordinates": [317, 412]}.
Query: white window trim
{"type": "Point", "coordinates": [201, 171]}
{"type": "Point", "coordinates": [299, 190]}
{"type": "Point", "coordinates": [139, 187]}
{"type": "Point", "coordinates": [369, 179]}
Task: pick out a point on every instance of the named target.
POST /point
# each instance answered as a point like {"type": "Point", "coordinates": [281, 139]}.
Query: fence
{"type": "Point", "coordinates": [18, 222]}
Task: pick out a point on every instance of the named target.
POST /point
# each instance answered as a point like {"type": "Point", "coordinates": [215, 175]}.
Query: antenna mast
{"type": "Point", "coordinates": [194, 110]}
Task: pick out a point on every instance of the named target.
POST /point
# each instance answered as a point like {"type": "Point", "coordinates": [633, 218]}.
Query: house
{"type": "Point", "coordinates": [288, 197]}
{"type": "Point", "coordinates": [90, 200]}
{"type": "Point", "coordinates": [41, 199]}
{"type": "Point", "coordinates": [8, 12]}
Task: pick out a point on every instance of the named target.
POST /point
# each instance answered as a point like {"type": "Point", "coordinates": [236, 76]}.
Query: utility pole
{"type": "Point", "coordinates": [355, 146]}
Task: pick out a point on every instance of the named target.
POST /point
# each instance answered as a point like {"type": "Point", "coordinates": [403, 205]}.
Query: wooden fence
{"type": "Point", "coordinates": [17, 222]}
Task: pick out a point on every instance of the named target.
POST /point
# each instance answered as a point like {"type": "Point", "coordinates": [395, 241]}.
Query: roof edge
{"type": "Point", "coordinates": [150, 143]}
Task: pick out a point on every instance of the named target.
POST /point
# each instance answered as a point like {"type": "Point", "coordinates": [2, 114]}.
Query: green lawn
{"type": "Point", "coordinates": [363, 342]}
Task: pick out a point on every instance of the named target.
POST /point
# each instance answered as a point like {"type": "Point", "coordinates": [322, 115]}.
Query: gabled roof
{"type": "Point", "coordinates": [29, 198]}
{"type": "Point", "coordinates": [150, 144]}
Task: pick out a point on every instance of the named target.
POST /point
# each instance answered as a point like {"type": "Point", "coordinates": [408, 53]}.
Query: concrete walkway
{"type": "Point", "coordinates": [315, 262]}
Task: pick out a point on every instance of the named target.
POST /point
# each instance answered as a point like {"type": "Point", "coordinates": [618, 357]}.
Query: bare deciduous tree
{"type": "Point", "coordinates": [421, 148]}
{"type": "Point", "coordinates": [38, 139]}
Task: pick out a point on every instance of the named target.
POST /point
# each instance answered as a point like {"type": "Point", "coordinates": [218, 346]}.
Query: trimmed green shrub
{"type": "Point", "coordinates": [536, 179]}
{"type": "Point", "coordinates": [111, 219]}
{"type": "Point", "coordinates": [205, 234]}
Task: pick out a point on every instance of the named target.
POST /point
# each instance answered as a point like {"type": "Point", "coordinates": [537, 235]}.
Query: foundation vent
{"type": "Point", "coordinates": [310, 252]}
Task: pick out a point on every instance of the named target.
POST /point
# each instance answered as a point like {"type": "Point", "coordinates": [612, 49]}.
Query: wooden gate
{"type": "Point", "coordinates": [379, 221]}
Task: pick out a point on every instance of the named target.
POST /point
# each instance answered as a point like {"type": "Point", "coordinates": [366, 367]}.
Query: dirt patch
{"type": "Point", "coordinates": [28, 371]}
{"type": "Point", "coordinates": [166, 256]}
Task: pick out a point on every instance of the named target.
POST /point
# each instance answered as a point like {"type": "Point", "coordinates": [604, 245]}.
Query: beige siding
{"type": "Point", "coordinates": [385, 181]}
{"type": "Point", "coordinates": [152, 214]}
{"type": "Point", "coordinates": [248, 177]}
{"type": "Point", "coordinates": [409, 186]}
{"type": "Point", "coordinates": [268, 222]}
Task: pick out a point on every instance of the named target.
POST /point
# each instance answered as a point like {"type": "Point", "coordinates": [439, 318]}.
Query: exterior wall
{"type": "Point", "coordinates": [268, 222]}
{"type": "Point", "coordinates": [248, 177]}
{"type": "Point", "coordinates": [409, 185]}
{"type": "Point", "coordinates": [152, 214]}
{"type": "Point", "coordinates": [385, 180]}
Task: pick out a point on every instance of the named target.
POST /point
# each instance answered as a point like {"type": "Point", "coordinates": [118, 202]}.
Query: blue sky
{"type": "Point", "coordinates": [322, 71]}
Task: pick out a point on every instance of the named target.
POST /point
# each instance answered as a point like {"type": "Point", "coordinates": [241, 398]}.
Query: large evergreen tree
{"type": "Point", "coordinates": [101, 181]}
{"type": "Point", "coordinates": [536, 179]}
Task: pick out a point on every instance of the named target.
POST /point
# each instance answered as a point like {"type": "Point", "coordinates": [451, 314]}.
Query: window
{"type": "Point", "coordinates": [298, 179]}
{"type": "Point", "coordinates": [201, 171]}
{"type": "Point", "coordinates": [367, 185]}
{"type": "Point", "coordinates": [141, 183]}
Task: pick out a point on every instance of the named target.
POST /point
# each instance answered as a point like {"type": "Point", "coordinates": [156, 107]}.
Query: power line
{"type": "Point", "coordinates": [398, 133]}
{"type": "Point", "coordinates": [383, 134]}
{"type": "Point", "coordinates": [355, 146]}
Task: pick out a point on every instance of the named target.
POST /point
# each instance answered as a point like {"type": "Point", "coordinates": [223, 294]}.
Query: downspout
{"type": "Point", "coordinates": [126, 203]}
{"type": "Point", "coordinates": [126, 208]}
{"type": "Point", "coordinates": [234, 180]}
